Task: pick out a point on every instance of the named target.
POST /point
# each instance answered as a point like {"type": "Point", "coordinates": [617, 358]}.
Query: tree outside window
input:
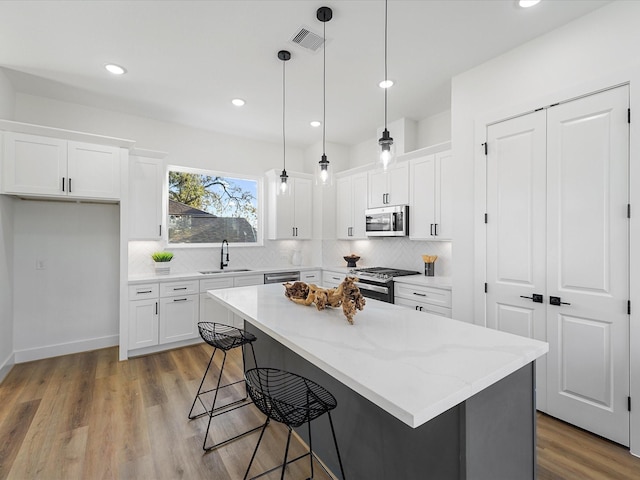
{"type": "Point", "coordinates": [208, 208]}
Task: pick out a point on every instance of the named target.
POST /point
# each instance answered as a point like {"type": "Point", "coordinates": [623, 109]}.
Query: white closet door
{"type": "Point", "coordinates": [588, 261]}
{"type": "Point", "coordinates": [516, 256]}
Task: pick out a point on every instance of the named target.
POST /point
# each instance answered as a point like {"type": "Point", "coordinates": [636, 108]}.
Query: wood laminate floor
{"type": "Point", "coordinates": [89, 416]}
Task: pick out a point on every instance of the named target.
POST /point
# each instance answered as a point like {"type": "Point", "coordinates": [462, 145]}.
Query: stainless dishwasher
{"type": "Point", "coordinates": [281, 277]}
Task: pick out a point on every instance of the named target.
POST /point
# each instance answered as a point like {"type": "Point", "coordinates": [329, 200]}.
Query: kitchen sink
{"type": "Point", "coordinates": [231, 270]}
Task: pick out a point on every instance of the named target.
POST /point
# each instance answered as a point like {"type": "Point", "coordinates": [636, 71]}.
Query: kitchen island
{"type": "Point", "coordinates": [419, 395]}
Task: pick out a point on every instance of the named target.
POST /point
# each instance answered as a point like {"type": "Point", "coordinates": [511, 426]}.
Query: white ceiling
{"type": "Point", "coordinates": [186, 60]}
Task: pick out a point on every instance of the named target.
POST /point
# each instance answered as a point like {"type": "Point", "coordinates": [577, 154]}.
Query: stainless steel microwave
{"type": "Point", "coordinates": [387, 221]}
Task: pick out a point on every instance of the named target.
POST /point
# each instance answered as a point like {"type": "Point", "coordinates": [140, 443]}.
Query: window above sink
{"type": "Point", "coordinates": [204, 207]}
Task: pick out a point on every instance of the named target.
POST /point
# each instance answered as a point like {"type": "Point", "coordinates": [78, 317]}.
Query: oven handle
{"type": "Point", "coordinates": [373, 288]}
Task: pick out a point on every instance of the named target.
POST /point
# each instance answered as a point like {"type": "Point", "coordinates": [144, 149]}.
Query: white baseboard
{"type": "Point", "coordinates": [5, 367]}
{"type": "Point", "coordinates": [48, 351]}
{"type": "Point", "coordinates": [138, 352]}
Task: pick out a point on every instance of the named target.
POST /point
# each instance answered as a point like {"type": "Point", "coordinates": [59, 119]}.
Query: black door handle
{"type": "Point", "coordinates": [557, 301]}
{"type": "Point", "coordinates": [535, 298]}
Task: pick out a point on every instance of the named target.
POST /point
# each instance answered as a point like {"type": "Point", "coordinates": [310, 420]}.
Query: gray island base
{"type": "Point", "coordinates": [489, 436]}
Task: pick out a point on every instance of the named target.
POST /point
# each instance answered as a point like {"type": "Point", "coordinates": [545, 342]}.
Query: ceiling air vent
{"type": "Point", "coordinates": [307, 39]}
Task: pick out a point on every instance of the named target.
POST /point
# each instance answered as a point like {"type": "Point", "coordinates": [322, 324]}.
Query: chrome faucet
{"type": "Point", "coordinates": [222, 258]}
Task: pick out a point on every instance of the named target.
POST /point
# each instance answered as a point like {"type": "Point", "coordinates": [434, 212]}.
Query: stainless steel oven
{"type": "Point", "coordinates": [377, 282]}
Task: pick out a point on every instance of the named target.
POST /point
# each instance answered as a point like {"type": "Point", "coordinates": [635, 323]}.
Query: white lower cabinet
{"type": "Point", "coordinates": [311, 276]}
{"type": "Point", "coordinates": [210, 310]}
{"type": "Point", "coordinates": [332, 279]}
{"type": "Point", "coordinates": [161, 313]}
{"type": "Point", "coordinates": [423, 298]}
{"type": "Point", "coordinates": [245, 281]}
{"type": "Point", "coordinates": [179, 311]}
{"type": "Point", "coordinates": [143, 315]}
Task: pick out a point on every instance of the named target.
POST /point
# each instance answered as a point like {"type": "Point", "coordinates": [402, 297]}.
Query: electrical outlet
{"type": "Point", "coordinates": [40, 264]}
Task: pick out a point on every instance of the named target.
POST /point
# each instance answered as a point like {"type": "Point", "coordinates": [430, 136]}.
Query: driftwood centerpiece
{"type": "Point", "coordinates": [347, 295]}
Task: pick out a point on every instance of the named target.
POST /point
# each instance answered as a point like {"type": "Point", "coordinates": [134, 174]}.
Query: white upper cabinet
{"type": "Point", "coordinates": [351, 204]}
{"type": "Point", "coordinates": [430, 197]}
{"type": "Point", "coordinates": [290, 216]}
{"type": "Point", "coordinates": [35, 165]}
{"type": "Point", "coordinates": [93, 171]}
{"type": "Point", "coordinates": [45, 166]}
{"type": "Point", "coordinates": [146, 178]}
{"type": "Point", "coordinates": [389, 187]}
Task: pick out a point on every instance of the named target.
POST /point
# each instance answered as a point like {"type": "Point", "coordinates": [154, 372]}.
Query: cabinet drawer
{"type": "Point", "coordinates": [332, 279]}
{"type": "Point", "coordinates": [247, 280]}
{"type": "Point", "coordinates": [171, 289]}
{"type": "Point", "coordinates": [214, 283]}
{"type": "Point", "coordinates": [424, 294]}
{"type": "Point", "coordinates": [143, 291]}
{"type": "Point", "coordinates": [423, 307]}
{"type": "Point", "coordinates": [313, 276]}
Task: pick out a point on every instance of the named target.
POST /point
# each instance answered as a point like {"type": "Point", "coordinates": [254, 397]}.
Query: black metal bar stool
{"type": "Point", "coordinates": [222, 337]}
{"type": "Point", "coordinates": [292, 400]}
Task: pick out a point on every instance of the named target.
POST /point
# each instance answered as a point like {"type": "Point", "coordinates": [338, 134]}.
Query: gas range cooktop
{"type": "Point", "coordinates": [381, 273]}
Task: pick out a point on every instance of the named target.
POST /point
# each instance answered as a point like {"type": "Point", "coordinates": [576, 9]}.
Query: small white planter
{"type": "Point", "coordinates": [162, 268]}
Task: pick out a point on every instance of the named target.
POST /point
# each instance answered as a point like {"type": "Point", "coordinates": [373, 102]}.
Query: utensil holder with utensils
{"type": "Point", "coordinates": [429, 264]}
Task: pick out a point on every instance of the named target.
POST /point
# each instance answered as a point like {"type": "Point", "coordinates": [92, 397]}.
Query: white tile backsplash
{"type": "Point", "coordinates": [274, 253]}
{"type": "Point", "coordinates": [385, 252]}
{"type": "Point", "coordinates": [397, 252]}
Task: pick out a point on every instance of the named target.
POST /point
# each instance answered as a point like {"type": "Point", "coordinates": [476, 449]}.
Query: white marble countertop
{"type": "Point", "coordinates": [437, 282]}
{"type": "Point", "coordinates": [152, 277]}
{"type": "Point", "coordinates": [414, 365]}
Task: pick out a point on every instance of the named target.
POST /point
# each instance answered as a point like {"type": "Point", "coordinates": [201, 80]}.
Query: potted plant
{"type": "Point", "coordinates": [161, 262]}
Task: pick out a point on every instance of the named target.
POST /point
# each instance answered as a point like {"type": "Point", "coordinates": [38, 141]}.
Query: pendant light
{"type": "Point", "coordinates": [324, 175]}
{"type": "Point", "coordinates": [387, 149]}
{"type": "Point", "coordinates": [283, 188]}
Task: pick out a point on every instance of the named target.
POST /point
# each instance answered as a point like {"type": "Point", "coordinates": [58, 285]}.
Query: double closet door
{"type": "Point", "coordinates": [558, 252]}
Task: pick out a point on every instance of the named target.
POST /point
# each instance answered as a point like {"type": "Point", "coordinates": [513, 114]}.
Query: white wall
{"type": "Point", "coordinates": [429, 131]}
{"type": "Point", "coordinates": [185, 146]}
{"type": "Point", "coordinates": [72, 304]}
{"type": "Point", "coordinates": [593, 52]}
{"type": "Point", "coordinates": [7, 104]}
{"type": "Point", "coordinates": [434, 130]}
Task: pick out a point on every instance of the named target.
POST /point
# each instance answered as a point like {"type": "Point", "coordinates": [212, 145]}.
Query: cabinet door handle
{"type": "Point", "coordinates": [431, 229]}
{"type": "Point", "coordinates": [296, 231]}
{"type": "Point", "coordinates": [420, 308]}
{"type": "Point", "coordinates": [156, 308]}
{"type": "Point", "coordinates": [420, 294]}
{"type": "Point", "coordinates": [179, 288]}
{"type": "Point", "coordinates": [179, 299]}
{"type": "Point", "coordinates": [435, 229]}
{"type": "Point", "coordinates": [159, 230]}
{"type": "Point", "coordinates": [335, 278]}
{"type": "Point", "coordinates": [139, 292]}
{"type": "Point", "coordinates": [69, 184]}
{"type": "Point", "coordinates": [63, 184]}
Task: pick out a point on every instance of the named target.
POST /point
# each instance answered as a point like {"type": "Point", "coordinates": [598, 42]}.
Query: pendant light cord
{"type": "Point", "coordinates": [385, 63]}
{"type": "Point", "coordinates": [324, 86]}
{"type": "Point", "coordinates": [284, 149]}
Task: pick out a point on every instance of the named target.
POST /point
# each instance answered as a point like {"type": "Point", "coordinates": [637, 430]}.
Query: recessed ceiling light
{"type": "Point", "coordinates": [115, 69]}
{"type": "Point", "coordinates": [238, 102]}
{"type": "Point", "coordinates": [315, 123]}
{"type": "Point", "coordinates": [385, 83]}
{"type": "Point", "coordinates": [528, 3]}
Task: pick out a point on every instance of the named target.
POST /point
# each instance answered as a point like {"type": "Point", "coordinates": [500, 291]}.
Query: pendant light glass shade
{"type": "Point", "coordinates": [284, 187]}
{"type": "Point", "coordinates": [324, 172]}
{"type": "Point", "coordinates": [387, 150]}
